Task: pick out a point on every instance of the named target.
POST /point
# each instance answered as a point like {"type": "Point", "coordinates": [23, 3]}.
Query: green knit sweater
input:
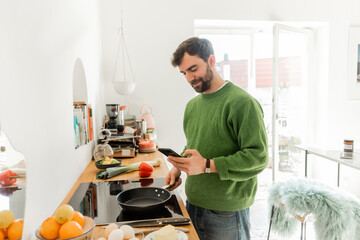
{"type": "Point", "coordinates": [226, 126]}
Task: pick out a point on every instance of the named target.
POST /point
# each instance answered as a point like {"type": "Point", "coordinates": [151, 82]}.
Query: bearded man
{"type": "Point", "coordinates": [226, 147]}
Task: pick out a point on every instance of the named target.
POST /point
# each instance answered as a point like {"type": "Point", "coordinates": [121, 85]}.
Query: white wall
{"type": "Point", "coordinates": [39, 44]}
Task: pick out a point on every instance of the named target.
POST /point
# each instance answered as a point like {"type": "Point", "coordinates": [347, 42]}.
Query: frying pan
{"type": "Point", "coordinates": [143, 199]}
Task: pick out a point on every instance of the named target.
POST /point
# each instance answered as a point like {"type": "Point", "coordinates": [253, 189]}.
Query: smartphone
{"type": "Point", "coordinates": [168, 151]}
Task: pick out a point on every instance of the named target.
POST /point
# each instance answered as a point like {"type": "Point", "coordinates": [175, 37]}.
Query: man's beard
{"type": "Point", "coordinates": [205, 82]}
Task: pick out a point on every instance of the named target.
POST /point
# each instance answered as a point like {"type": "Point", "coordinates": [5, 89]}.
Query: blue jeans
{"type": "Point", "coordinates": [216, 225]}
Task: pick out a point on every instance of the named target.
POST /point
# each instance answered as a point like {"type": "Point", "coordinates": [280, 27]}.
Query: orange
{"type": "Point", "coordinates": [15, 230]}
{"type": "Point", "coordinates": [2, 235]}
{"type": "Point", "coordinates": [79, 218]}
{"type": "Point", "coordinates": [50, 228]}
{"type": "Point", "coordinates": [4, 231]}
{"type": "Point", "coordinates": [70, 229]}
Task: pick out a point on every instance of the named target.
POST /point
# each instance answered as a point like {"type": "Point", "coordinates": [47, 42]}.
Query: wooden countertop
{"type": "Point", "coordinates": [89, 175]}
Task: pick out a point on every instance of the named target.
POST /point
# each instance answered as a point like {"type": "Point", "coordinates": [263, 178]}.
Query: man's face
{"type": "Point", "coordinates": [197, 72]}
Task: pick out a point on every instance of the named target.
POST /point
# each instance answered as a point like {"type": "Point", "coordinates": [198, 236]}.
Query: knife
{"type": "Point", "coordinates": [154, 222]}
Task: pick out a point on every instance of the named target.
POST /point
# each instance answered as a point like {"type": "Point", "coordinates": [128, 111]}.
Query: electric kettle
{"type": "Point", "coordinates": [145, 110]}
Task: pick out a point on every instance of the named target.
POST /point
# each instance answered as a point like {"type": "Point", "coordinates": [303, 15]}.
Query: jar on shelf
{"type": "Point", "coordinates": [348, 145]}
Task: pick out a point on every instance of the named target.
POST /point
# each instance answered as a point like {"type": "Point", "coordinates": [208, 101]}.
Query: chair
{"type": "Point", "coordinates": [336, 213]}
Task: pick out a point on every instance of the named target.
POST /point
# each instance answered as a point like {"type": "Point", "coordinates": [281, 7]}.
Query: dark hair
{"type": "Point", "coordinates": [193, 46]}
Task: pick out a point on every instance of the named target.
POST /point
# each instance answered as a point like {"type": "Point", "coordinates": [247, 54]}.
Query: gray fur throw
{"type": "Point", "coordinates": [336, 213]}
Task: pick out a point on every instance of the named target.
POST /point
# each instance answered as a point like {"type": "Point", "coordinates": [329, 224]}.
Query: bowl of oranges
{"type": "Point", "coordinates": [65, 224]}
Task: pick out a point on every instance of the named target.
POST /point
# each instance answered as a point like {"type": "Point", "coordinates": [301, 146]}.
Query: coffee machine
{"type": "Point", "coordinates": [112, 110]}
{"type": "Point", "coordinates": [122, 144]}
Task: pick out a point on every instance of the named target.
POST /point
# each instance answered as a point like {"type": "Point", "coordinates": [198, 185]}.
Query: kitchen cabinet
{"type": "Point", "coordinates": [89, 175]}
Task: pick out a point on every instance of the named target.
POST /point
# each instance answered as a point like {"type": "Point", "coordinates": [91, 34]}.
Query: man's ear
{"type": "Point", "coordinates": [212, 60]}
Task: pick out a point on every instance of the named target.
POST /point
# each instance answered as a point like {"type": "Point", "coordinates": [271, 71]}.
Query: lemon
{"type": "Point", "coordinates": [6, 218]}
{"type": "Point", "coordinates": [113, 161]}
{"type": "Point", "coordinates": [64, 213]}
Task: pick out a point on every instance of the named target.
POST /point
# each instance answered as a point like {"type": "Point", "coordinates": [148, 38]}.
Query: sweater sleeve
{"type": "Point", "coordinates": [183, 151]}
{"type": "Point", "coordinates": [252, 157]}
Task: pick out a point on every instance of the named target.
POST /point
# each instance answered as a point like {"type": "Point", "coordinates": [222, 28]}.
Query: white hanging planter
{"type": "Point", "coordinates": [124, 87]}
{"type": "Point", "coordinates": [124, 78]}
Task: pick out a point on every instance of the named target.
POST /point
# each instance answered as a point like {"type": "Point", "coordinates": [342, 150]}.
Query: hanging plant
{"type": "Point", "coordinates": [124, 78]}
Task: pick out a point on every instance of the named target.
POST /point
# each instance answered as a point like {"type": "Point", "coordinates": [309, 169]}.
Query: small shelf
{"type": "Point", "coordinates": [83, 112]}
{"type": "Point", "coordinates": [83, 124]}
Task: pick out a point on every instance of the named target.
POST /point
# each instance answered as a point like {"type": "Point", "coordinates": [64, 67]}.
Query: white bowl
{"type": "Point", "coordinates": [87, 230]}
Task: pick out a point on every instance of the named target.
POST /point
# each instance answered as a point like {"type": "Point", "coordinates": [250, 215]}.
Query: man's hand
{"type": "Point", "coordinates": [192, 166]}
{"type": "Point", "coordinates": [173, 179]}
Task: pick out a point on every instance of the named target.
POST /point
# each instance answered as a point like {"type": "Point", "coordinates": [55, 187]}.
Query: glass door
{"type": "Point", "coordinates": [291, 48]}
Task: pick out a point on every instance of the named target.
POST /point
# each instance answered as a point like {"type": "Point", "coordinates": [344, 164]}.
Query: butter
{"type": "Point", "coordinates": [166, 233]}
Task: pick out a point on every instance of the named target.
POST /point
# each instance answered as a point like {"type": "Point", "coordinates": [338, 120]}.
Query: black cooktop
{"type": "Point", "coordinates": [98, 201]}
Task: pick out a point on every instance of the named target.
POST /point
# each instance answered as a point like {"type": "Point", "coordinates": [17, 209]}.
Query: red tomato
{"type": "Point", "coordinates": [144, 166]}
{"type": "Point", "coordinates": [145, 174]}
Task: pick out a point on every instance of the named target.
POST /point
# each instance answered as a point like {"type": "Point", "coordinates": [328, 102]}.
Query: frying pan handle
{"type": "Point", "coordinates": [169, 187]}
